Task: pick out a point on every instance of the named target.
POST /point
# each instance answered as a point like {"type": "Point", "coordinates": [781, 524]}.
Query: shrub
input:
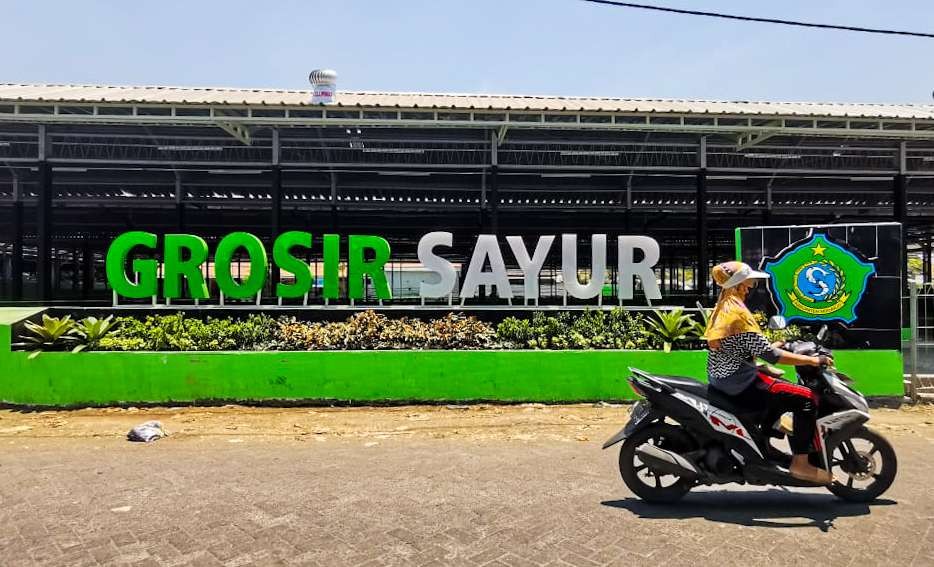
{"type": "Point", "coordinates": [121, 343]}
{"type": "Point", "coordinates": [457, 331]}
{"type": "Point", "coordinates": [177, 332]}
{"type": "Point", "coordinates": [789, 333]}
{"type": "Point", "coordinates": [617, 328]}
{"type": "Point", "coordinates": [369, 330]}
{"type": "Point", "coordinates": [515, 332]}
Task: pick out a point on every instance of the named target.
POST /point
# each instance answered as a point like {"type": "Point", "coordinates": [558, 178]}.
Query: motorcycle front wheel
{"type": "Point", "coordinates": [864, 466]}
{"type": "Point", "coordinates": [649, 485]}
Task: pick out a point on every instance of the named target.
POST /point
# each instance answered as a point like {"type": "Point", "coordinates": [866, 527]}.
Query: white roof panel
{"type": "Point", "coordinates": [275, 97]}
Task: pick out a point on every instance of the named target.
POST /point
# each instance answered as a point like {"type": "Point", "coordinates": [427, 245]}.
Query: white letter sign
{"type": "Point", "coordinates": [628, 268]}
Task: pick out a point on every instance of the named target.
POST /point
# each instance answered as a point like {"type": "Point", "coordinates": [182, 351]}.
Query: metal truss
{"type": "Point", "coordinates": [521, 150]}
{"type": "Point", "coordinates": [746, 130]}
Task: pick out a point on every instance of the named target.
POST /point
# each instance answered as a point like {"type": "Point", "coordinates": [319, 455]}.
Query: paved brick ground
{"type": "Point", "coordinates": [396, 501]}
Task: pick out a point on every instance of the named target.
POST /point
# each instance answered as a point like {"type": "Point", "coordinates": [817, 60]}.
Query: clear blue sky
{"type": "Point", "coordinates": [500, 46]}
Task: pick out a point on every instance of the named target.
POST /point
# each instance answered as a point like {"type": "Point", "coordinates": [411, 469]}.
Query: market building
{"type": "Point", "coordinates": [82, 164]}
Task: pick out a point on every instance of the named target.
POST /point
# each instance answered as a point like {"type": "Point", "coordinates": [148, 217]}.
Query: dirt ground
{"type": "Point", "coordinates": [525, 422]}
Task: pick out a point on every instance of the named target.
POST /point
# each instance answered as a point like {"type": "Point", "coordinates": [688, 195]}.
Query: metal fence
{"type": "Point", "coordinates": [918, 337]}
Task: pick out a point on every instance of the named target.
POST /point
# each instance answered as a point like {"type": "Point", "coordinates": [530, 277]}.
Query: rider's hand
{"type": "Point", "coordinates": [778, 344]}
{"type": "Point", "coordinates": [823, 360]}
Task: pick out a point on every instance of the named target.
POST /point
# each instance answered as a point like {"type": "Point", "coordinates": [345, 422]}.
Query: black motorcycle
{"type": "Point", "coordinates": [681, 436]}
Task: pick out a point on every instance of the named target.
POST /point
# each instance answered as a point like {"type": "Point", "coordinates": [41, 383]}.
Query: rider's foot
{"type": "Point", "coordinates": [786, 425]}
{"type": "Point", "coordinates": [801, 469]}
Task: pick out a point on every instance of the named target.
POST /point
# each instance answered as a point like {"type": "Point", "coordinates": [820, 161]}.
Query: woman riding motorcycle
{"type": "Point", "coordinates": [735, 341]}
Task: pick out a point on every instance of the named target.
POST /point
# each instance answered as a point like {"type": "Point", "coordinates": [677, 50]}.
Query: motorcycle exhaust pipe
{"type": "Point", "coordinates": [666, 461]}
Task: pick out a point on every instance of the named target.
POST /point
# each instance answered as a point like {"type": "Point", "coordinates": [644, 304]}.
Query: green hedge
{"type": "Point", "coordinates": [367, 330]}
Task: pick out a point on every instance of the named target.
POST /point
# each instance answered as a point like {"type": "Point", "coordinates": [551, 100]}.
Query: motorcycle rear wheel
{"type": "Point", "coordinates": [650, 486]}
{"type": "Point", "coordinates": [878, 466]}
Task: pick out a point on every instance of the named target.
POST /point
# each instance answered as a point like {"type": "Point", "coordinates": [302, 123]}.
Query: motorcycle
{"type": "Point", "coordinates": [681, 436]}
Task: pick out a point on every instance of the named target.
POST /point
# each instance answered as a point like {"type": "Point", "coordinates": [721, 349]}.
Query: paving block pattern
{"type": "Point", "coordinates": [263, 501]}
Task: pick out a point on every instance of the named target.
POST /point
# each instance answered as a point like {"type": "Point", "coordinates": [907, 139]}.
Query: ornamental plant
{"type": "Point", "coordinates": [176, 332]}
{"type": "Point", "coordinates": [789, 333]}
{"type": "Point", "coordinates": [369, 330]}
{"type": "Point", "coordinates": [597, 329]}
{"type": "Point", "coordinates": [671, 327]}
{"type": "Point", "coordinates": [91, 330]}
{"type": "Point", "coordinates": [54, 333]}
{"type": "Point", "coordinates": [698, 328]}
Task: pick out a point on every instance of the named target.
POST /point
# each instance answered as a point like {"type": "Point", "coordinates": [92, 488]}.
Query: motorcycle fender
{"type": "Point", "coordinates": [620, 436]}
{"type": "Point", "coordinates": [640, 417]}
{"type": "Point", "coordinates": [846, 430]}
{"type": "Point", "coordinates": [836, 427]}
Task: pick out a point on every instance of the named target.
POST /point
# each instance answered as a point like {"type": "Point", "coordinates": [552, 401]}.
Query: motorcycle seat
{"type": "Point", "coordinates": [712, 395]}
{"type": "Point", "coordinates": [685, 384]}
{"type": "Point", "coordinates": [724, 402]}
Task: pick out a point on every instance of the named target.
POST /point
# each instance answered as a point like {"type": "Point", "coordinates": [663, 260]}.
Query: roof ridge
{"type": "Point", "coordinates": [155, 87]}
{"type": "Point", "coordinates": [469, 95]}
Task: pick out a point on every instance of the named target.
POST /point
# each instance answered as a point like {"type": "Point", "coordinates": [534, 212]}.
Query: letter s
{"type": "Point", "coordinates": [436, 264]}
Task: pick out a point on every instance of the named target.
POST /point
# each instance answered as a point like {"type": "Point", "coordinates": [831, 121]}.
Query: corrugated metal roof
{"type": "Point", "coordinates": [275, 97]}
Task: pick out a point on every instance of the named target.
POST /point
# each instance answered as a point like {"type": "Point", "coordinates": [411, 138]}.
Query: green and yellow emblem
{"type": "Point", "coordinates": [818, 280]}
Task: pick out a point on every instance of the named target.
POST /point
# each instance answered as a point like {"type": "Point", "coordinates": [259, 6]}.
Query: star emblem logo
{"type": "Point", "coordinates": [817, 279]}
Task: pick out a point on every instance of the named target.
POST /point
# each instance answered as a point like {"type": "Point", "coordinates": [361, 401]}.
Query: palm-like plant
{"type": "Point", "coordinates": [91, 330]}
{"type": "Point", "coordinates": [53, 333]}
{"type": "Point", "coordinates": [670, 327]}
{"type": "Point", "coordinates": [700, 327]}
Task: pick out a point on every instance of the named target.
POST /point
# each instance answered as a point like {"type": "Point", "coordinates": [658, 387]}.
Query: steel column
{"type": "Point", "coordinates": [700, 275]}
{"type": "Point", "coordinates": [483, 215]}
{"type": "Point", "coordinates": [493, 193]}
{"type": "Point", "coordinates": [16, 259]}
{"type": "Point", "coordinates": [275, 218]}
{"type": "Point", "coordinates": [75, 276]}
{"type": "Point", "coordinates": [926, 276]}
{"type": "Point", "coordinates": [87, 268]}
{"type": "Point", "coordinates": [180, 210]}
{"type": "Point", "coordinates": [44, 232]}
{"type": "Point", "coordinates": [900, 209]}
{"type": "Point", "coordinates": [3, 277]}
{"type": "Point", "coordinates": [767, 212]}
{"type": "Point", "coordinates": [335, 220]}
{"type": "Point", "coordinates": [494, 199]}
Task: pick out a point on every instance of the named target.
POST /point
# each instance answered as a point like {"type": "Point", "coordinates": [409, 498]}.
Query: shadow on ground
{"type": "Point", "coordinates": [773, 508]}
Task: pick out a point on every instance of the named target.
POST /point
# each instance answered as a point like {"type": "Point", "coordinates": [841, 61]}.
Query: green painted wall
{"type": "Point", "coordinates": [877, 373]}
{"type": "Point", "coordinates": [99, 378]}
{"type": "Point", "coordinates": [106, 378]}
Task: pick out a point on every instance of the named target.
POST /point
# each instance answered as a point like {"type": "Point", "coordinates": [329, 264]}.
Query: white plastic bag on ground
{"type": "Point", "coordinates": [146, 432]}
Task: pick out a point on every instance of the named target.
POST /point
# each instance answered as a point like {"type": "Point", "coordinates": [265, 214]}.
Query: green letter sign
{"type": "Point", "coordinates": [145, 270]}
{"type": "Point", "coordinates": [223, 258]}
{"type": "Point", "coordinates": [358, 266]}
{"type": "Point", "coordinates": [282, 256]}
{"type": "Point", "coordinates": [332, 258]}
{"type": "Point", "coordinates": [177, 267]}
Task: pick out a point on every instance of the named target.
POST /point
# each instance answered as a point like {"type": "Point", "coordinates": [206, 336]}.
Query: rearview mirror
{"type": "Point", "coordinates": [777, 322]}
{"type": "Point", "coordinates": [822, 334]}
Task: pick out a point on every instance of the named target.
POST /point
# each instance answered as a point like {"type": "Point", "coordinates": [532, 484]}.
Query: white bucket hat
{"type": "Point", "coordinates": [731, 274]}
